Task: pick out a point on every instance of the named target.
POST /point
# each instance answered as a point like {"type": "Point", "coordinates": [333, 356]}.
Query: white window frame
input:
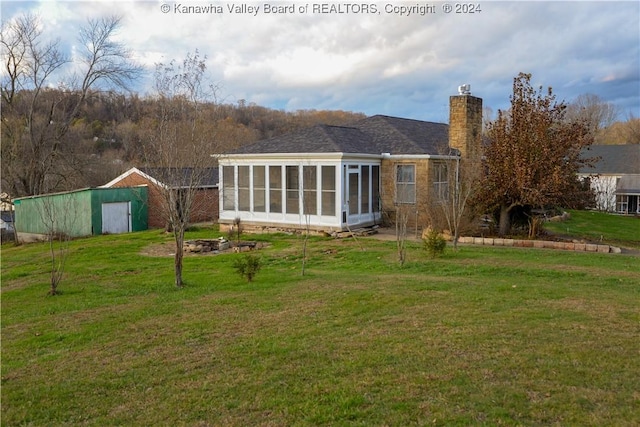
{"type": "Point", "coordinates": [405, 184]}
{"type": "Point", "coordinates": [441, 181]}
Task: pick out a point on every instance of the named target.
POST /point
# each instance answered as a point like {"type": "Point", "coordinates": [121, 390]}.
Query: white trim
{"type": "Point", "coordinates": [130, 172]}
{"type": "Point", "coordinates": [388, 156]}
{"type": "Point", "coordinates": [261, 157]}
{"type": "Point", "coordinates": [298, 157]}
{"type": "Point", "coordinates": [150, 178]}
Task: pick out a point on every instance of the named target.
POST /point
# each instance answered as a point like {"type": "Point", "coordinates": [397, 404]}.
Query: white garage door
{"type": "Point", "coordinates": [116, 217]}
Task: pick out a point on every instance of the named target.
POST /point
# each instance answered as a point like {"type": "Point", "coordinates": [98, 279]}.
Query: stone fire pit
{"type": "Point", "coordinates": [206, 245]}
{"type": "Point", "coordinates": [217, 245]}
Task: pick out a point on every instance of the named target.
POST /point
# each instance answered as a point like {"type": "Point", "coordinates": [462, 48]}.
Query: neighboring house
{"type": "Point", "coordinates": [205, 207]}
{"type": "Point", "coordinates": [85, 212]}
{"type": "Point", "coordinates": [334, 178]}
{"type": "Point", "coordinates": [6, 218]}
{"type": "Point", "coordinates": [615, 178]}
{"type": "Point", "coordinates": [6, 221]}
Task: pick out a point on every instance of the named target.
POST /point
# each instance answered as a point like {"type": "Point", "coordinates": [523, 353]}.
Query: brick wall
{"type": "Point", "coordinates": [465, 134]}
{"type": "Point", "coordinates": [423, 190]}
{"type": "Point", "coordinates": [205, 207]}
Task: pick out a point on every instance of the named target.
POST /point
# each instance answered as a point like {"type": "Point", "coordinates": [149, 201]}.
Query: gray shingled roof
{"type": "Point", "coordinates": [181, 177]}
{"type": "Point", "coordinates": [614, 159]}
{"type": "Point", "coordinates": [373, 135]}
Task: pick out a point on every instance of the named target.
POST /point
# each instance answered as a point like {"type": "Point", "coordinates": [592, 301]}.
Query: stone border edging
{"type": "Point", "coordinates": [568, 246]}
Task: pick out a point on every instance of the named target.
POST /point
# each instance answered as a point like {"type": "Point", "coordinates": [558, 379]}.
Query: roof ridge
{"type": "Point", "coordinates": [408, 119]}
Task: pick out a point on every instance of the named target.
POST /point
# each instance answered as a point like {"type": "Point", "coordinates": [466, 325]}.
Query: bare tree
{"type": "Point", "coordinates": [36, 118]}
{"type": "Point", "coordinates": [405, 204]}
{"type": "Point", "coordinates": [180, 144]}
{"type": "Point", "coordinates": [58, 215]}
{"type": "Point", "coordinates": [309, 204]}
{"type": "Point", "coordinates": [403, 212]}
{"type": "Point", "coordinates": [604, 189]}
{"type": "Point", "coordinates": [622, 132]}
{"type": "Point", "coordinates": [592, 110]}
{"type": "Point", "coordinates": [464, 175]}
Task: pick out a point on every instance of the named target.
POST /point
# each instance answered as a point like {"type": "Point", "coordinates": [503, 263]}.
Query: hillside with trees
{"type": "Point", "coordinates": [106, 135]}
{"type": "Point", "coordinates": [73, 121]}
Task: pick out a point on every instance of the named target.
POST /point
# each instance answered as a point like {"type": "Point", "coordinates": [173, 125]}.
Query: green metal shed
{"type": "Point", "coordinates": [85, 212]}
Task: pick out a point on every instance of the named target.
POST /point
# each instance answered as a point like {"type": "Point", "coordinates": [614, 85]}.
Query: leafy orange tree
{"type": "Point", "coordinates": [533, 155]}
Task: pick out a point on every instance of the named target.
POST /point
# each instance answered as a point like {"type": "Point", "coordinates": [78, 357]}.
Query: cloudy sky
{"type": "Point", "coordinates": [398, 58]}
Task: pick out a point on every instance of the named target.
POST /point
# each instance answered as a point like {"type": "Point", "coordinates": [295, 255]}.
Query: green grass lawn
{"type": "Point", "coordinates": [600, 226]}
{"type": "Point", "coordinates": [482, 336]}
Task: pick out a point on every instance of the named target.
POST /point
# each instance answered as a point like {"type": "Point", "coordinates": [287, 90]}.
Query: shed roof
{"type": "Point", "coordinates": [172, 177]}
{"type": "Point", "coordinates": [613, 159]}
{"type": "Point", "coordinates": [373, 135]}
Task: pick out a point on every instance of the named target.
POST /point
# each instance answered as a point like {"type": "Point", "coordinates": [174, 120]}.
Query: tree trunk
{"type": "Point", "coordinates": [504, 225]}
{"type": "Point", "coordinates": [178, 258]}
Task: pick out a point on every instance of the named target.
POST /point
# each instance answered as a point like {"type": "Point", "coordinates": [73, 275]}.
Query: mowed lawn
{"type": "Point", "coordinates": [482, 336]}
{"type": "Point", "coordinates": [600, 226]}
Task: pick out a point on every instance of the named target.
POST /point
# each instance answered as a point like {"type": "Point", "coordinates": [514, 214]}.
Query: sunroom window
{"type": "Point", "coordinates": [244, 189]}
{"type": "Point", "coordinates": [228, 188]}
{"type": "Point", "coordinates": [364, 197]}
{"type": "Point", "coordinates": [275, 189]}
{"type": "Point", "coordinates": [310, 190]}
{"type": "Point", "coordinates": [293, 197]}
{"type": "Point", "coordinates": [328, 190]}
{"type": "Point", "coordinates": [259, 189]}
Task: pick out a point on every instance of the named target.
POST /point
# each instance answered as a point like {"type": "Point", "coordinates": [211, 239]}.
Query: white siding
{"type": "Point", "coordinates": [319, 218]}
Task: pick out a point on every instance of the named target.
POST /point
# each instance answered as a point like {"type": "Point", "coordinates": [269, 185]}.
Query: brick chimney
{"type": "Point", "coordinates": [465, 123]}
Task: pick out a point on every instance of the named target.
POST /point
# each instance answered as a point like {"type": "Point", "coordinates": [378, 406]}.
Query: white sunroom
{"type": "Point", "coordinates": [321, 191]}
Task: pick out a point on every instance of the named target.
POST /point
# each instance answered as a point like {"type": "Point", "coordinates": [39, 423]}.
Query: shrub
{"type": "Point", "coordinates": [248, 266]}
{"type": "Point", "coordinates": [434, 243]}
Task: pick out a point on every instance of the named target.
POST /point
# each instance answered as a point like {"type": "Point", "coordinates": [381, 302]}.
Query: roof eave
{"type": "Point", "coordinates": [298, 156]}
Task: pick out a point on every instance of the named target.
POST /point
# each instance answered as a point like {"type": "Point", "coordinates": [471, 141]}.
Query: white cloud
{"type": "Point", "coordinates": [385, 63]}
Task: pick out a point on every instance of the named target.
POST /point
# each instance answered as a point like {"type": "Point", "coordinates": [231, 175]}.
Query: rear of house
{"type": "Point", "coordinates": [335, 178]}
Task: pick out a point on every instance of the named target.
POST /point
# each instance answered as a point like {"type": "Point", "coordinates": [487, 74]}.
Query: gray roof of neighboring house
{"type": "Point", "coordinates": [613, 159]}
{"type": "Point", "coordinates": [181, 177]}
{"type": "Point", "coordinates": [373, 135]}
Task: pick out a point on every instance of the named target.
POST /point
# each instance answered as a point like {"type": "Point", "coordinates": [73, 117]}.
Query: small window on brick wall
{"type": "Point", "coordinates": [406, 184]}
{"type": "Point", "coordinates": [440, 181]}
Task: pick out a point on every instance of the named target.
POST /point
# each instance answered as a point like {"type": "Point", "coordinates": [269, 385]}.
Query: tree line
{"type": "Point", "coordinates": [109, 131]}
{"type": "Point", "coordinates": [65, 129]}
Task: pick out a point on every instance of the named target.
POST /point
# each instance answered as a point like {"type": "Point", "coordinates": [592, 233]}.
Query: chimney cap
{"type": "Point", "coordinates": [464, 89]}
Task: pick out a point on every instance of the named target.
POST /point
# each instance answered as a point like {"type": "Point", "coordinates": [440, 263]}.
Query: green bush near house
{"type": "Point", "coordinates": [434, 243]}
{"type": "Point", "coordinates": [481, 336]}
{"type": "Point", "coordinates": [247, 266]}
